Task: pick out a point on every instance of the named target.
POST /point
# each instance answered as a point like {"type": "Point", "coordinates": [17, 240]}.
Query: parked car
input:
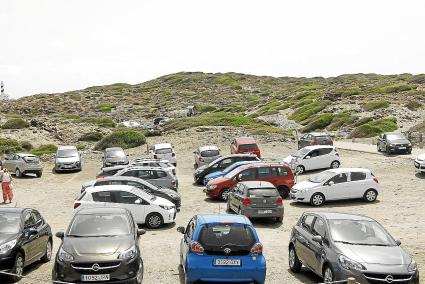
{"type": "Point", "coordinates": [114, 156]}
{"type": "Point", "coordinates": [23, 164]}
{"type": "Point", "coordinates": [67, 159]}
{"type": "Point", "coordinates": [109, 171]}
{"type": "Point", "coordinates": [227, 170]}
{"type": "Point", "coordinates": [166, 193]}
{"type": "Point", "coordinates": [315, 138]}
{"type": "Point", "coordinates": [280, 175]}
{"type": "Point", "coordinates": [155, 163]}
{"type": "Point", "coordinates": [25, 238]}
{"type": "Point", "coordinates": [164, 151]}
{"type": "Point", "coordinates": [337, 246]}
{"type": "Point", "coordinates": [100, 245]}
{"type": "Point", "coordinates": [337, 184]}
{"type": "Point", "coordinates": [156, 176]}
{"type": "Point", "coordinates": [205, 155]}
{"type": "Point", "coordinates": [394, 142]}
{"type": "Point", "coordinates": [145, 208]}
{"type": "Point", "coordinates": [420, 163]}
{"type": "Point", "coordinates": [243, 145]}
{"type": "Point", "coordinates": [220, 164]}
{"type": "Point", "coordinates": [313, 158]}
{"type": "Point", "coordinates": [256, 199]}
{"type": "Point", "coordinates": [221, 248]}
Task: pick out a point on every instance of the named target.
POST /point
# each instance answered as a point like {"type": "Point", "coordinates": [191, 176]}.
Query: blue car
{"type": "Point", "coordinates": [221, 248]}
{"type": "Point", "coordinates": [227, 170]}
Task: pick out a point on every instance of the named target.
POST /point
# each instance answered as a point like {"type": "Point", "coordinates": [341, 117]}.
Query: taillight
{"type": "Point", "coordinates": [314, 142]}
{"type": "Point", "coordinates": [257, 249]}
{"type": "Point", "coordinates": [76, 205]}
{"type": "Point", "coordinates": [99, 177]}
{"type": "Point", "coordinates": [173, 183]}
{"type": "Point", "coordinates": [279, 201]}
{"type": "Point", "coordinates": [196, 247]}
{"type": "Point", "coordinates": [155, 156]}
{"type": "Point", "coordinates": [246, 201]}
{"type": "Point", "coordinates": [375, 180]}
{"type": "Point", "coordinates": [173, 155]}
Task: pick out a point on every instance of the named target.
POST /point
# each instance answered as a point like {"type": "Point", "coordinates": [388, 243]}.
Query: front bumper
{"type": "Point", "coordinates": [32, 170]}
{"type": "Point", "coordinates": [7, 262]}
{"type": "Point", "coordinates": [400, 149]}
{"type": "Point", "coordinates": [299, 197]}
{"type": "Point", "coordinates": [420, 165]}
{"type": "Point", "coordinates": [170, 216]}
{"type": "Point", "coordinates": [68, 167]}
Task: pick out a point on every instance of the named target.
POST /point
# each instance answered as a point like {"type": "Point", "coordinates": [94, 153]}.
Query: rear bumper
{"type": "Point", "coordinates": [255, 212]}
{"type": "Point", "coordinates": [32, 171]}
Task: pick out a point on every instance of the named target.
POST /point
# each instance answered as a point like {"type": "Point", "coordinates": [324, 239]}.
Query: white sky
{"type": "Point", "coordinates": [61, 45]}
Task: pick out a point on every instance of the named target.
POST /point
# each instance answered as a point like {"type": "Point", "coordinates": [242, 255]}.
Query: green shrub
{"type": "Point", "coordinates": [45, 149]}
{"type": "Point", "coordinates": [319, 122]}
{"type": "Point", "coordinates": [15, 123]}
{"type": "Point", "coordinates": [272, 107]}
{"type": "Point", "coordinates": [308, 110]}
{"type": "Point", "coordinates": [27, 146]}
{"type": "Point", "coordinates": [375, 128]}
{"type": "Point", "coordinates": [105, 122]}
{"type": "Point", "coordinates": [376, 104]}
{"type": "Point", "coordinates": [361, 121]}
{"type": "Point", "coordinates": [205, 108]}
{"type": "Point", "coordinates": [341, 119]}
{"type": "Point", "coordinates": [105, 107]}
{"type": "Point", "coordinates": [397, 88]}
{"type": "Point", "coordinates": [413, 105]}
{"type": "Point", "coordinates": [92, 136]}
{"type": "Point", "coordinates": [70, 116]}
{"type": "Point", "coordinates": [8, 146]}
{"type": "Point", "coordinates": [123, 137]}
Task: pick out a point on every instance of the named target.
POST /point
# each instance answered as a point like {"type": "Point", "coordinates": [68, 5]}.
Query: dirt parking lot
{"type": "Point", "coordinates": [400, 207]}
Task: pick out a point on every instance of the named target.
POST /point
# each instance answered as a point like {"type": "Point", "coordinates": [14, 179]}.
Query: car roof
{"type": "Point", "coordinates": [258, 184]}
{"type": "Point", "coordinates": [114, 149]}
{"type": "Point", "coordinates": [119, 178]}
{"type": "Point", "coordinates": [319, 134]}
{"type": "Point", "coordinates": [208, 148]}
{"type": "Point", "coordinates": [68, 147]}
{"type": "Point", "coordinates": [13, 210]}
{"type": "Point", "coordinates": [222, 218]}
{"type": "Point", "coordinates": [245, 140]}
{"type": "Point", "coordinates": [263, 164]}
{"type": "Point", "coordinates": [314, 147]}
{"type": "Point", "coordinates": [394, 132]}
{"type": "Point", "coordinates": [238, 155]}
{"type": "Point", "coordinates": [25, 155]}
{"type": "Point", "coordinates": [344, 170]}
{"type": "Point", "coordinates": [110, 187]}
{"type": "Point", "coordinates": [114, 168]}
{"type": "Point", "coordinates": [102, 210]}
{"type": "Point", "coordinates": [340, 215]}
{"type": "Point", "coordinates": [162, 146]}
{"type": "Point", "coordinates": [136, 167]}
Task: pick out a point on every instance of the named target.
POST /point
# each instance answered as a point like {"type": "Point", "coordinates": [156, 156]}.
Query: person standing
{"type": "Point", "coordinates": [5, 185]}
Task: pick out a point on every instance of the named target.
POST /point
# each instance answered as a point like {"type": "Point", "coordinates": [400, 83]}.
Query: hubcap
{"type": "Point", "coordinates": [370, 195]}
{"type": "Point", "coordinates": [317, 199]}
{"type": "Point", "coordinates": [19, 266]}
{"type": "Point", "coordinates": [225, 195]}
{"type": "Point", "coordinates": [154, 221]}
{"type": "Point", "coordinates": [49, 250]}
{"type": "Point", "coordinates": [335, 165]}
{"type": "Point", "coordinates": [300, 170]}
{"type": "Point", "coordinates": [17, 173]}
{"type": "Point", "coordinates": [328, 275]}
{"type": "Point", "coordinates": [291, 258]}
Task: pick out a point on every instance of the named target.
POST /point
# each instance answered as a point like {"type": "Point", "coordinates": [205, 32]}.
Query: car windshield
{"type": "Point", "coordinates": [67, 153]}
{"type": "Point", "coordinates": [248, 146]}
{"type": "Point", "coordinates": [10, 223]}
{"type": "Point", "coordinates": [99, 225]}
{"type": "Point", "coordinates": [357, 232]}
{"type": "Point", "coordinates": [164, 151]}
{"type": "Point", "coordinates": [301, 153]}
{"type": "Point", "coordinates": [210, 153]}
{"type": "Point", "coordinates": [115, 154]}
{"type": "Point", "coordinates": [262, 192]}
{"type": "Point", "coordinates": [232, 173]}
{"type": "Point", "coordinates": [215, 237]}
{"type": "Point", "coordinates": [322, 177]}
{"type": "Point", "coordinates": [107, 173]}
{"type": "Point", "coordinates": [396, 136]}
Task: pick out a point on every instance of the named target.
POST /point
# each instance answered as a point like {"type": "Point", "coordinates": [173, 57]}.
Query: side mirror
{"type": "Point", "coordinates": [239, 177]}
{"type": "Point", "coordinates": [398, 242]}
{"type": "Point", "coordinates": [331, 183]}
{"type": "Point", "coordinates": [141, 232]}
{"type": "Point", "coordinates": [307, 157]}
{"type": "Point", "coordinates": [317, 239]}
{"type": "Point", "coordinates": [60, 235]}
{"type": "Point", "coordinates": [181, 230]}
{"type": "Point", "coordinates": [138, 201]}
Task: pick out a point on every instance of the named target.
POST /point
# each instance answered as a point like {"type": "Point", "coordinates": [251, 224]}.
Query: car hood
{"type": "Point", "coordinates": [306, 185]}
{"type": "Point", "coordinates": [161, 201]}
{"type": "Point", "coordinates": [421, 157]}
{"type": "Point", "coordinates": [399, 141]}
{"type": "Point", "coordinates": [201, 169]}
{"type": "Point", "coordinates": [97, 245]}
{"type": "Point", "coordinates": [68, 160]}
{"type": "Point", "coordinates": [169, 192]}
{"type": "Point", "coordinates": [288, 159]}
{"type": "Point", "coordinates": [116, 160]}
{"type": "Point", "coordinates": [4, 238]}
{"type": "Point", "coordinates": [391, 255]}
{"type": "Point", "coordinates": [219, 180]}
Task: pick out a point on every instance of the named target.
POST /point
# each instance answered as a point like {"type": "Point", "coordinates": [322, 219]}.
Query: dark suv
{"type": "Point", "coordinates": [315, 138]}
{"type": "Point", "coordinates": [394, 142]}
{"type": "Point", "coordinates": [101, 245]}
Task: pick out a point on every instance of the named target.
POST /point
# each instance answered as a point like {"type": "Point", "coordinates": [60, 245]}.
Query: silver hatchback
{"type": "Point", "coordinates": [205, 155]}
{"type": "Point", "coordinates": [256, 199]}
{"type": "Point", "coordinates": [159, 177]}
{"type": "Point", "coordinates": [22, 164]}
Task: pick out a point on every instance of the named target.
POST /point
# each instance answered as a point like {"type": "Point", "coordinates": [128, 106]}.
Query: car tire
{"type": "Point", "coordinates": [224, 194]}
{"type": "Point", "coordinates": [154, 220]}
{"type": "Point", "coordinates": [140, 274]}
{"type": "Point", "coordinates": [370, 195]}
{"type": "Point", "coordinates": [48, 253]}
{"type": "Point", "coordinates": [39, 174]}
{"type": "Point", "coordinates": [335, 164]}
{"type": "Point", "coordinates": [317, 199]}
{"type": "Point", "coordinates": [378, 148]}
{"type": "Point", "coordinates": [299, 170]}
{"type": "Point", "coordinates": [18, 173]}
{"type": "Point", "coordinates": [293, 260]}
{"type": "Point", "coordinates": [328, 274]}
{"type": "Point", "coordinates": [283, 191]}
{"type": "Point", "coordinates": [18, 267]}
{"type": "Point", "coordinates": [387, 150]}
{"type": "Point", "coordinates": [279, 219]}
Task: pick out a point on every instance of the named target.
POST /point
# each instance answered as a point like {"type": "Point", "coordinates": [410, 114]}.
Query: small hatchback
{"type": "Point", "coordinates": [315, 138]}
{"type": "Point", "coordinates": [227, 170]}
{"type": "Point", "coordinates": [337, 184]}
{"type": "Point", "coordinates": [156, 176]}
{"type": "Point", "coordinates": [420, 163]}
{"type": "Point", "coordinates": [245, 145]}
{"type": "Point", "coordinates": [313, 158]}
{"type": "Point", "coordinates": [205, 155]}
{"type": "Point", "coordinates": [67, 159]}
{"type": "Point", "coordinates": [280, 175]}
{"type": "Point", "coordinates": [221, 248]}
{"type": "Point", "coordinates": [114, 156]}
{"type": "Point", "coordinates": [164, 151]}
{"type": "Point", "coordinates": [22, 164]}
{"type": "Point", "coordinates": [256, 199]}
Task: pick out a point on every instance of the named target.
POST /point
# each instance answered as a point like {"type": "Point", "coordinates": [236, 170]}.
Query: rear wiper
{"type": "Point", "coordinates": [233, 245]}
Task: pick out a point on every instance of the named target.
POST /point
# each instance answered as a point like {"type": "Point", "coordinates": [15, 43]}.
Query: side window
{"type": "Point", "coordinates": [102, 196]}
{"type": "Point", "coordinates": [339, 178]}
{"type": "Point", "coordinates": [29, 220]}
{"type": "Point", "coordinates": [264, 172]}
{"type": "Point", "coordinates": [190, 229]}
{"type": "Point", "coordinates": [307, 222]}
{"type": "Point", "coordinates": [226, 162]}
{"type": "Point", "coordinates": [125, 197]}
{"type": "Point", "coordinates": [282, 171]}
{"type": "Point", "coordinates": [161, 174]}
{"type": "Point", "coordinates": [129, 174]}
{"type": "Point", "coordinates": [358, 176]}
{"type": "Point", "coordinates": [102, 182]}
{"type": "Point", "coordinates": [248, 174]}
{"type": "Point", "coordinates": [324, 151]}
{"type": "Point", "coordinates": [319, 228]}
{"type": "Point", "coordinates": [135, 184]}
{"type": "Point", "coordinates": [313, 153]}
{"type": "Point", "coordinates": [143, 174]}
{"type": "Point", "coordinates": [274, 172]}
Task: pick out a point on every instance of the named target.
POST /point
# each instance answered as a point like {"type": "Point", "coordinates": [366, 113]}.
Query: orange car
{"type": "Point", "coordinates": [244, 145]}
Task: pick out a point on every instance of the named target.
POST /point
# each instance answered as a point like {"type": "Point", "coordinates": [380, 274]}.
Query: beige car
{"type": "Point", "coordinates": [22, 164]}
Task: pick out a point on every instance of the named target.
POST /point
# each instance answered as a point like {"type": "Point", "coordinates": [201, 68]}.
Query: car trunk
{"type": "Point", "coordinates": [263, 197]}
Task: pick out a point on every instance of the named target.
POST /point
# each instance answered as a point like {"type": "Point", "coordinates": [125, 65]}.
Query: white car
{"type": "Point", "coordinates": [313, 158]}
{"type": "Point", "coordinates": [337, 184]}
{"type": "Point", "coordinates": [157, 163]}
{"type": "Point", "coordinates": [146, 209]}
{"type": "Point", "coordinates": [420, 163]}
{"type": "Point", "coordinates": [205, 155]}
{"type": "Point", "coordinates": [164, 151]}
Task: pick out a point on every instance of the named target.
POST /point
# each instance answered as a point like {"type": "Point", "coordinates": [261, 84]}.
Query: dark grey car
{"type": "Point", "coordinates": [394, 142]}
{"type": "Point", "coordinates": [337, 246]}
{"type": "Point", "coordinates": [256, 199]}
{"type": "Point", "coordinates": [315, 138]}
{"type": "Point", "coordinates": [114, 156]}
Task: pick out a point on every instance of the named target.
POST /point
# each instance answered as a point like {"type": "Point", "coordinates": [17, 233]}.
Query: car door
{"type": "Point", "coordinates": [43, 234]}
{"type": "Point", "coordinates": [161, 178]}
{"type": "Point", "coordinates": [337, 187]}
{"type": "Point", "coordinates": [302, 237]}
{"type": "Point", "coordinates": [357, 184]}
{"type": "Point", "coordinates": [131, 202]}
{"type": "Point", "coordinates": [248, 174]}
{"type": "Point", "coordinates": [312, 160]}
{"type": "Point", "coordinates": [325, 158]}
{"type": "Point", "coordinates": [101, 199]}
{"type": "Point", "coordinates": [31, 239]}
{"type": "Point", "coordinates": [316, 250]}
{"type": "Point", "coordinates": [187, 238]}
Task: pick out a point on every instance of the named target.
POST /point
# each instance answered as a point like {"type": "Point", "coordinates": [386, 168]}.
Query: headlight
{"type": "Point", "coordinates": [350, 264]}
{"type": "Point", "coordinates": [4, 248]}
{"type": "Point", "coordinates": [212, 186]}
{"type": "Point", "coordinates": [65, 256]}
{"type": "Point", "coordinates": [165, 207]}
{"type": "Point", "coordinates": [128, 254]}
{"type": "Point", "coordinates": [410, 144]}
{"type": "Point", "coordinates": [412, 266]}
{"type": "Point", "coordinates": [302, 190]}
{"type": "Point", "coordinates": [392, 145]}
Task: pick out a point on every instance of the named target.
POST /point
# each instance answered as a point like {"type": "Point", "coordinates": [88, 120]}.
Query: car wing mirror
{"type": "Point", "coordinates": [317, 239]}
{"type": "Point", "coordinates": [331, 183]}
{"type": "Point", "coordinates": [138, 201]}
{"type": "Point", "coordinates": [141, 232]}
{"type": "Point", "coordinates": [181, 230]}
{"type": "Point", "coordinates": [60, 235]}
{"type": "Point", "coordinates": [307, 157]}
{"type": "Point", "coordinates": [398, 242]}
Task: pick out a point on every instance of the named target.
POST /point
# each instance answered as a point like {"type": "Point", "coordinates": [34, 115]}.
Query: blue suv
{"type": "Point", "coordinates": [227, 170]}
{"type": "Point", "coordinates": [221, 248]}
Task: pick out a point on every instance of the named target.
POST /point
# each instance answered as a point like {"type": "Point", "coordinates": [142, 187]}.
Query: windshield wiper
{"type": "Point", "coordinates": [348, 243]}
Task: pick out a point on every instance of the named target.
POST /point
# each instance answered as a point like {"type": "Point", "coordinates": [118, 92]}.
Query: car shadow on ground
{"type": "Point", "coordinates": [27, 272]}
{"type": "Point", "coordinates": [163, 228]}
{"type": "Point", "coordinates": [64, 172]}
{"type": "Point", "coordinates": [420, 175]}
{"type": "Point", "coordinates": [306, 276]}
{"type": "Point", "coordinates": [181, 278]}
{"type": "Point", "coordinates": [336, 203]}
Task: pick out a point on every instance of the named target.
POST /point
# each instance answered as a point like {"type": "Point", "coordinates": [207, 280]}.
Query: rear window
{"type": "Point", "coordinates": [262, 192]}
{"type": "Point", "coordinates": [248, 146]}
{"type": "Point", "coordinates": [102, 196]}
{"type": "Point", "coordinates": [210, 153]}
{"type": "Point", "coordinates": [31, 159]}
{"type": "Point", "coordinates": [358, 176]}
{"type": "Point", "coordinates": [323, 138]}
{"type": "Point", "coordinates": [164, 151]}
{"type": "Point", "coordinates": [108, 173]}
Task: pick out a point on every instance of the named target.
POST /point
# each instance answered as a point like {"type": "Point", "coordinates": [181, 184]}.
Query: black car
{"type": "Point", "coordinates": [101, 245]}
{"type": "Point", "coordinates": [25, 238]}
{"type": "Point", "coordinates": [315, 138]}
{"type": "Point", "coordinates": [166, 193]}
{"type": "Point", "coordinates": [394, 142]}
{"type": "Point", "coordinates": [220, 164]}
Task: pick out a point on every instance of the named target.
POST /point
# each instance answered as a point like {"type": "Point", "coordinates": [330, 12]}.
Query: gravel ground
{"type": "Point", "coordinates": [399, 209]}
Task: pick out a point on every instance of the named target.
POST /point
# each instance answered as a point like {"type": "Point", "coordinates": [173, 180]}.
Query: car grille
{"type": "Point", "coordinates": [379, 278]}
{"type": "Point", "coordinates": [103, 267]}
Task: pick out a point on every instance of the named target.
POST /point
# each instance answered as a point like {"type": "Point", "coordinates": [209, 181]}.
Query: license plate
{"type": "Point", "coordinates": [98, 277]}
{"type": "Point", "coordinates": [265, 211]}
{"type": "Point", "coordinates": [402, 148]}
{"type": "Point", "coordinates": [227, 262]}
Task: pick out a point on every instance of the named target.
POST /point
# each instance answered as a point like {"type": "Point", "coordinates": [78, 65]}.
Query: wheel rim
{"type": "Point", "coordinates": [317, 199]}
{"type": "Point", "coordinates": [49, 250]}
{"type": "Point", "coordinates": [224, 195]}
{"type": "Point", "coordinates": [291, 258]}
{"type": "Point", "coordinates": [370, 195]}
{"type": "Point", "coordinates": [154, 221]}
{"type": "Point", "coordinates": [17, 172]}
{"type": "Point", "coordinates": [300, 170]}
{"type": "Point", "coordinates": [19, 266]}
{"type": "Point", "coordinates": [328, 275]}
{"type": "Point", "coordinates": [335, 165]}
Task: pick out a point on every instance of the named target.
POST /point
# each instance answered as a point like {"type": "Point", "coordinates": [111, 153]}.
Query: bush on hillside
{"type": "Point", "coordinates": [308, 110]}
{"type": "Point", "coordinates": [341, 119]}
{"type": "Point", "coordinates": [376, 104]}
{"type": "Point", "coordinates": [27, 146]}
{"type": "Point", "coordinates": [123, 137]}
{"type": "Point", "coordinates": [397, 88]}
{"type": "Point", "coordinates": [374, 128]}
{"type": "Point", "coordinates": [8, 146]}
{"type": "Point", "coordinates": [319, 122]}
{"type": "Point", "coordinates": [361, 121]}
{"type": "Point", "coordinates": [105, 122]}
{"type": "Point", "coordinates": [92, 136]}
{"type": "Point", "coordinates": [45, 149]}
{"type": "Point", "coordinates": [15, 123]}
{"type": "Point", "coordinates": [105, 107]}
{"type": "Point", "coordinates": [413, 105]}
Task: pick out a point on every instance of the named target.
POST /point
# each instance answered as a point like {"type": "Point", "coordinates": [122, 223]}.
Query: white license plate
{"type": "Point", "coordinates": [402, 148]}
{"type": "Point", "coordinates": [98, 277]}
{"type": "Point", "coordinates": [227, 262]}
{"type": "Point", "coordinates": [265, 211]}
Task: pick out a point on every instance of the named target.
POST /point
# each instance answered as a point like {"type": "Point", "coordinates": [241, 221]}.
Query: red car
{"type": "Point", "coordinates": [245, 145]}
{"type": "Point", "coordinates": [280, 175]}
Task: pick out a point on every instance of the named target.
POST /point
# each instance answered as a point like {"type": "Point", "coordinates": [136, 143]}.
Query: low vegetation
{"type": "Point", "coordinates": [105, 107]}
{"type": "Point", "coordinates": [27, 146]}
{"type": "Point", "coordinates": [122, 137]}
{"type": "Point", "coordinates": [397, 88]}
{"type": "Point", "coordinates": [45, 149]}
{"type": "Point", "coordinates": [413, 105]}
{"type": "Point", "coordinates": [308, 110]}
{"type": "Point", "coordinates": [105, 122]}
{"type": "Point", "coordinates": [8, 146]}
{"type": "Point", "coordinates": [319, 122]}
{"type": "Point", "coordinates": [342, 119]}
{"type": "Point", "coordinates": [374, 128]}
{"type": "Point", "coordinates": [92, 136]}
{"type": "Point", "coordinates": [376, 104]}
{"type": "Point", "coordinates": [15, 123]}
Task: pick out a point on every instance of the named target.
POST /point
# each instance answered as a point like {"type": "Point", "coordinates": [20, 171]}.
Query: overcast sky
{"type": "Point", "coordinates": [60, 45]}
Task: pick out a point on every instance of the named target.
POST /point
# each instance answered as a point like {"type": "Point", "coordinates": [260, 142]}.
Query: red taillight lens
{"type": "Point", "coordinates": [99, 177]}
{"type": "Point", "coordinates": [280, 201]}
{"type": "Point", "coordinates": [257, 249]}
{"type": "Point", "coordinates": [76, 205]}
{"type": "Point", "coordinates": [375, 180]}
{"type": "Point", "coordinates": [314, 142]}
{"type": "Point", "coordinates": [196, 247]}
{"type": "Point", "coordinates": [246, 201]}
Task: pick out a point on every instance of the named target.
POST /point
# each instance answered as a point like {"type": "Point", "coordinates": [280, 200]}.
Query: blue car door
{"type": "Point", "coordinates": [187, 238]}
